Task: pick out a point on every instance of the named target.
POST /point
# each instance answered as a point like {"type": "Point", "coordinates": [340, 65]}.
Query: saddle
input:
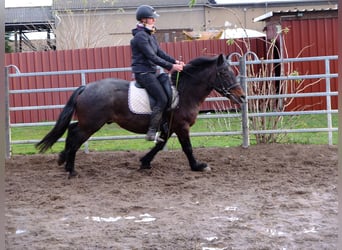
{"type": "Point", "coordinates": [139, 102]}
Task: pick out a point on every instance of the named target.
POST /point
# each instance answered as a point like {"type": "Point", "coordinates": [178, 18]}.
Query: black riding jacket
{"type": "Point", "coordinates": [146, 53]}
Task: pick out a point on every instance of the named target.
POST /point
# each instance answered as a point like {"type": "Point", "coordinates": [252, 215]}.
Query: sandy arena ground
{"type": "Point", "coordinates": [263, 197]}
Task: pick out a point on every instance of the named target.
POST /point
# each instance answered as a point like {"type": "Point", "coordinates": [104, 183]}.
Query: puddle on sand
{"type": "Point", "coordinates": [213, 248]}
{"type": "Point", "coordinates": [145, 218]}
{"type": "Point", "coordinates": [142, 218]}
{"type": "Point", "coordinates": [225, 218]}
{"type": "Point", "coordinates": [20, 231]}
{"type": "Point", "coordinates": [104, 219]}
{"type": "Point", "coordinates": [212, 244]}
{"type": "Point", "coordinates": [230, 209]}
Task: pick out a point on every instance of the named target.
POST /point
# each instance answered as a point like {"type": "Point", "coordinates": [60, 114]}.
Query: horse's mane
{"type": "Point", "coordinates": [202, 60]}
{"type": "Point", "coordinates": [193, 66]}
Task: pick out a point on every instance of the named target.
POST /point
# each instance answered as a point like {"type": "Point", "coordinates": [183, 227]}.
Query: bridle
{"type": "Point", "coordinates": [219, 86]}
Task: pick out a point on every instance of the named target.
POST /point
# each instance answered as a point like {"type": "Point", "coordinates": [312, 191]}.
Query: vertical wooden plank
{"type": "Point", "coordinates": [34, 100]}
{"type": "Point", "coordinates": [90, 64]}
{"type": "Point", "coordinates": [104, 60]}
{"type": "Point", "coordinates": [62, 79]}
{"type": "Point", "coordinates": [120, 61]}
{"type": "Point", "coordinates": [27, 82]}
{"type": "Point", "coordinates": [98, 60]}
{"type": "Point", "coordinates": [53, 81]}
{"type": "Point", "coordinates": [127, 56]}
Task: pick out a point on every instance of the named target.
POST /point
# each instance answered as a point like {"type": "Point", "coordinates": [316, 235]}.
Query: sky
{"type": "Point", "coordinates": [26, 3]}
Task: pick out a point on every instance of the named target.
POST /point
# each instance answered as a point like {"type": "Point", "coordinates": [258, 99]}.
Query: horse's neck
{"type": "Point", "coordinates": [193, 94]}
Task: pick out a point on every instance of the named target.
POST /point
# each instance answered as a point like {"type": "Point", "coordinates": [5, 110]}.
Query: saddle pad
{"type": "Point", "coordinates": [138, 100]}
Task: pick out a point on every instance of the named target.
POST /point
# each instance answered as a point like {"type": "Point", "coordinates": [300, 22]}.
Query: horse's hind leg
{"type": "Point", "coordinates": [75, 138]}
{"type": "Point", "coordinates": [61, 158]}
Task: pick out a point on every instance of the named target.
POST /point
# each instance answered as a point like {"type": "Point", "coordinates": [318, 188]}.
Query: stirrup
{"type": "Point", "coordinates": [158, 138]}
{"type": "Point", "coordinates": [154, 137]}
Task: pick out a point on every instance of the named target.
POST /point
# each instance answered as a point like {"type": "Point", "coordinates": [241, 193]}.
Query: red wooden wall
{"type": "Point", "coordinates": [307, 38]}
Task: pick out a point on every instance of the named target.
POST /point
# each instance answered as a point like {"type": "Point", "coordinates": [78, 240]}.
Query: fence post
{"type": "Point", "coordinates": [328, 98]}
{"type": "Point", "coordinates": [83, 82]}
{"type": "Point", "coordinates": [7, 116]}
{"type": "Point", "coordinates": [244, 106]}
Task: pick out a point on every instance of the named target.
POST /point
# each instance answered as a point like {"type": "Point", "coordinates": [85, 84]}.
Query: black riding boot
{"type": "Point", "coordinates": [155, 121]}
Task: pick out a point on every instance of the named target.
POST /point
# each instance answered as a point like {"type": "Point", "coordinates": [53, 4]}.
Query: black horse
{"type": "Point", "coordinates": [106, 101]}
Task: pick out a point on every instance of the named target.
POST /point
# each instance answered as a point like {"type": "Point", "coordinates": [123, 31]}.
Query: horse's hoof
{"type": "Point", "coordinates": [73, 174]}
{"type": "Point", "coordinates": [206, 169]}
{"type": "Point", "coordinates": [145, 167]}
{"type": "Point", "coordinates": [200, 167]}
{"type": "Point", "coordinates": [144, 164]}
{"type": "Point", "coordinates": [61, 159]}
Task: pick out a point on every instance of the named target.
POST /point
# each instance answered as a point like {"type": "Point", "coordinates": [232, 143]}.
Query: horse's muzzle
{"type": "Point", "coordinates": [237, 95]}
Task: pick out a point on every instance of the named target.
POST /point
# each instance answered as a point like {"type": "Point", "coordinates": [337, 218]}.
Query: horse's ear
{"type": "Point", "coordinates": [221, 59]}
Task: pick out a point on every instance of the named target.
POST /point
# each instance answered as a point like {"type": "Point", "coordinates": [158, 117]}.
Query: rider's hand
{"type": "Point", "coordinates": [180, 62]}
{"type": "Point", "coordinates": [177, 67]}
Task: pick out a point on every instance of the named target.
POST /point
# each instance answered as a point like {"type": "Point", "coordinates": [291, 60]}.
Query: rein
{"type": "Point", "coordinates": [171, 118]}
{"type": "Point", "coordinates": [221, 88]}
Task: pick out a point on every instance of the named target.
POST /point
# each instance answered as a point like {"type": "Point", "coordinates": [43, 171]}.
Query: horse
{"type": "Point", "coordinates": [106, 101]}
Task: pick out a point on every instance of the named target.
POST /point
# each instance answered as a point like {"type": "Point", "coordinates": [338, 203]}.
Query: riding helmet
{"type": "Point", "coordinates": [146, 11]}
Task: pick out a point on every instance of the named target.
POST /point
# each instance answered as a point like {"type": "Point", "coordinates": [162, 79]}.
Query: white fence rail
{"type": "Point", "coordinates": [245, 130]}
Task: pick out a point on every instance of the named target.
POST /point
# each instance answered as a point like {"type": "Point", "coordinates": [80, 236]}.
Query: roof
{"type": "Point", "coordinates": [111, 4]}
{"type": "Point", "coordinates": [26, 17]}
{"type": "Point", "coordinates": [270, 14]}
{"type": "Point", "coordinates": [236, 33]}
{"type": "Point", "coordinates": [203, 35]}
{"type": "Point", "coordinates": [272, 2]}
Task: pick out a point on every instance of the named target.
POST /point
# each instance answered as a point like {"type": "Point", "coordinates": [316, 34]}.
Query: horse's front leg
{"type": "Point", "coordinates": [185, 142]}
{"type": "Point", "coordinates": [147, 159]}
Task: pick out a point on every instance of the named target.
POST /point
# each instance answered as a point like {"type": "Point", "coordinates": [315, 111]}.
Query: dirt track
{"type": "Point", "coordinates": [264, 197]}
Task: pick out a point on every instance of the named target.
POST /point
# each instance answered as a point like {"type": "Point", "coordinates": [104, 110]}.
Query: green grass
{"type": "Point", "coordinates": [202, 125]}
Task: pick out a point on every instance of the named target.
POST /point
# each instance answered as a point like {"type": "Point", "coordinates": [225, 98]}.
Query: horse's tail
{"type": "Point", "coordinates": [61, 124]}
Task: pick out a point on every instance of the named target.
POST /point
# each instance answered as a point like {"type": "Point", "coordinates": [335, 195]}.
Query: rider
{"type": "Point", "coordinates": [146, 56]}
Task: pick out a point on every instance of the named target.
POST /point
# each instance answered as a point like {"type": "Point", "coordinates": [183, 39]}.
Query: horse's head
{"type": "Point", "coordinates": [226, 83]}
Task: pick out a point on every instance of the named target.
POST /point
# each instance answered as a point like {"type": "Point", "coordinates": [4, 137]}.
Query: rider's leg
{"type": "Point", "coordinates": [150, 82]}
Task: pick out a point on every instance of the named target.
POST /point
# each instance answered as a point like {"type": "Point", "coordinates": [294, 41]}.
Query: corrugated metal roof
{"type": "Point", "coordinates": [31, 15]}
{"type": "Point", "coordinates": [304, 10]}
{"type": "Point", "coordinates": [293, 11]}
{"type": "Point", "coordinates": [109, 4]}
{"type": "Point", "coordinates": [268, 2]}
